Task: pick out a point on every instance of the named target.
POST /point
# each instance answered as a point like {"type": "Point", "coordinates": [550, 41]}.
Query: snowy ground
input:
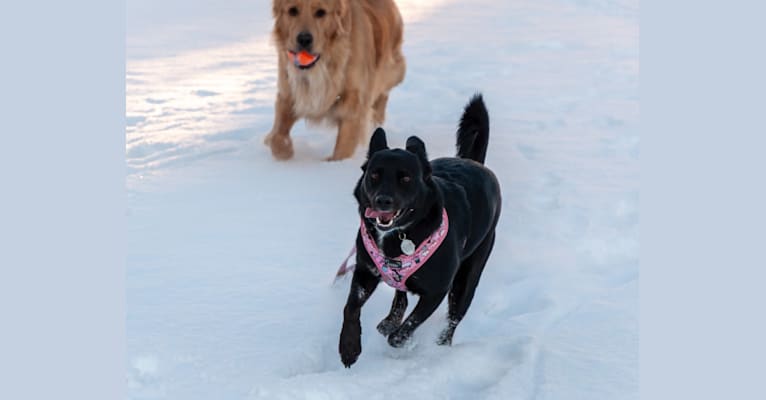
{"type": "Point", "coordinates": [221, 305]}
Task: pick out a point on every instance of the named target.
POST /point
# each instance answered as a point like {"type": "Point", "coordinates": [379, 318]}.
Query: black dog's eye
{"type": "Point", "coordinates": [293, 11]}
{"type": "Point", "coordinates": [374, 176]}
{"type": "Point", "coordinates": [320, 13]}
{"type": "Point", "coordinates": [406, 179]}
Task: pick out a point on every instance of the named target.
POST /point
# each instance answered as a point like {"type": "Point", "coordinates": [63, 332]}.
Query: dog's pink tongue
{"type": "Point", "coordinates": [387, 215]}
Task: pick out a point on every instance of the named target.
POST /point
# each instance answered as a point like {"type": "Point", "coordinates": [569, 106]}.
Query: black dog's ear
{"type": "Point", "coordinates": [417, 147]}
{"type": "Point", "coordinates": [377, 142]}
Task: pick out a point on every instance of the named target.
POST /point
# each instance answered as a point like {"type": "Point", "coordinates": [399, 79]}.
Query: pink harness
{"type": "Point", "coordinates": [395, 271]}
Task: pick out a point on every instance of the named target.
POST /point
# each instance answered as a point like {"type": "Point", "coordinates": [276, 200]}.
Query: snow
{"type": "Point", "coordinates": [231, 255]}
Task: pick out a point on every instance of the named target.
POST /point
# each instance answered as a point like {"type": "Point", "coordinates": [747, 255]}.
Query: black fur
{"type": "Point", "coordinates": [377, 142]}
{"type": "Point", "coordinates": [473, 133]}
{"type": "Point", "coordinates": [419, 190]}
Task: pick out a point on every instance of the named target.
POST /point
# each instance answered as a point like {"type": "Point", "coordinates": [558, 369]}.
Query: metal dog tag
{"type": "Point", "coordinates": [407, 247]}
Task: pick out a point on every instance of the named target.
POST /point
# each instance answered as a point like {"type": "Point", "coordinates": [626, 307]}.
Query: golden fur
{"type": "Point", "coordinates": [360, 59]}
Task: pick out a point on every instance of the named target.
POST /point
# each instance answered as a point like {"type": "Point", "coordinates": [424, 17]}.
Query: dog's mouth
{"type": "Point", "coordinates": [302, 59]}
{"type": "Point", "coordinates": [383, 219]}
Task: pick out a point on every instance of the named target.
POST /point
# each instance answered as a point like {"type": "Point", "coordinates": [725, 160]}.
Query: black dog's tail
{"type": "Point", "coordinates": [473, 132]}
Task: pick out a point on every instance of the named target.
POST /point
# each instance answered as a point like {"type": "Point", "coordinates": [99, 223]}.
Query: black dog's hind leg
{"type": "Point", "coordinates": [362, 285]}
{"type": "Point", "coordinates": [425, 307]}
{"type": "Point", "coordinates": [464, 287]}
{"type": "Point", "coordinates": [394, 317]}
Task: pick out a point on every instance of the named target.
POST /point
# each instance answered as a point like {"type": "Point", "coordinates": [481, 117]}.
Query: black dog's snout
{"type": "Point", "coordinates": [305, 40]}
{"type": "Point", "coordinates": [383, 202]}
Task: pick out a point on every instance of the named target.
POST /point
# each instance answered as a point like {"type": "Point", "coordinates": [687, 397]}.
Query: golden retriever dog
{"type": "Point", "coordinates": [338, 60]}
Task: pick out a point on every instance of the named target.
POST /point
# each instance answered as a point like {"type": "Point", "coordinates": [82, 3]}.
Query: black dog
{"type": "Point", "coordinates": [403, 198]}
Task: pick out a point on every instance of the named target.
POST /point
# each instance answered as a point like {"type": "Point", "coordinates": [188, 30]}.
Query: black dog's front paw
{"type": "Point", "coordinates": [350, 345]}
{"type": "Point", "coordinates": [387, 327]}
{"type": "Point", "coordinates": [444, 339]}
{"type": "Point", "coordinates": [398, 338]}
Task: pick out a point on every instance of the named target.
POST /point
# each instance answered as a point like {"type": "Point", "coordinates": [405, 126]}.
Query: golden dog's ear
{"type": "Point", "coordinates": [343, 18]}
{"type": "Point", "coordinates": [280, 31]}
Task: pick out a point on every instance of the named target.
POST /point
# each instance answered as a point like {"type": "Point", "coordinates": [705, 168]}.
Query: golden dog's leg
{"type": "Point", "coordinates": [353, 122]}
{"type": "Point", "coordinates": [279, 138]}
{"type": "Point", "coordinates": [349, 132]}
{"type": "Point", "coordinates": [395, 75]}
{"type": "Point", "coordinates": [379, 109]}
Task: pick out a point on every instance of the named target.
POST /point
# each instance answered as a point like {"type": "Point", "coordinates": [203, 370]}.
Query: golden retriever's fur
{"type": "Point", "coordinates": [360, 59]}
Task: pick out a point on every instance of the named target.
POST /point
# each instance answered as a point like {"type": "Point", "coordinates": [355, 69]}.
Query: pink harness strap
{"type": "Point", "coordinates": [395, 271]}
{"type": "Point", "coordinates": [345, 267]}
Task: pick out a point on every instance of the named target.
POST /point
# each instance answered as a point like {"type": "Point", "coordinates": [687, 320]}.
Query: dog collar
{"type": "Point", "coordinates": [395, 271]}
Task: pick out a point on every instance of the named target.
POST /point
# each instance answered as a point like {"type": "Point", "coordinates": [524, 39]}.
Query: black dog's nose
{"type": "Point", "coordinates": [305, 40]}
{"type": "Point", "coordinates": [383, 202]}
